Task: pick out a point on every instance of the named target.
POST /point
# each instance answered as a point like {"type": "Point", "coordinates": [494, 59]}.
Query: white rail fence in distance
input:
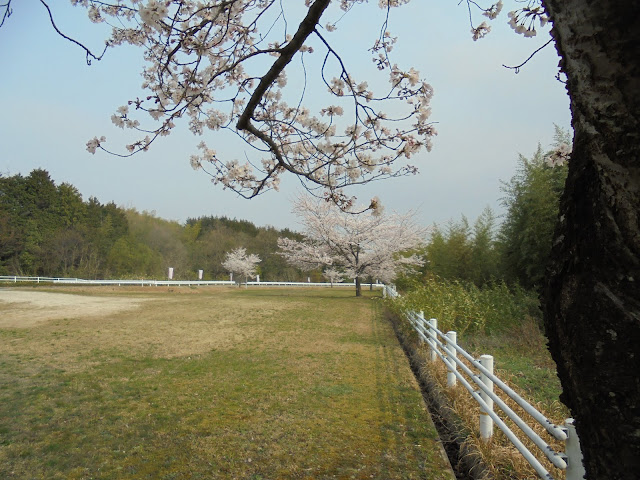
{"type": "Point", "coordinates": [157, 283]}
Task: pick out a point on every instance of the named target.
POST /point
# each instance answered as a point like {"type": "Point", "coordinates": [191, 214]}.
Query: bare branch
{"type": "Point", "coordinates": [89, 54]}
{"type": "Point", "coordinates": [517, 67]}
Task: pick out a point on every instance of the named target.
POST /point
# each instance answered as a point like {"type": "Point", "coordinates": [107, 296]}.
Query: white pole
{"type": "Point", "coordinates": [486, 424]}
{"type": "Point", "coordinates": [433, 324]}
{"type": "Point", "coordinates": [452, 354]}
{"type": "Point", "coordinates": [258, 278]}
{"type": "Point", "coordinates": [575, 468]}
{"type": "Point", "coordinates": [200, 273]}
{"type": "Point", "coordinates": [170, 273]}
{"type": "Point", "coordinates": [421, 321]}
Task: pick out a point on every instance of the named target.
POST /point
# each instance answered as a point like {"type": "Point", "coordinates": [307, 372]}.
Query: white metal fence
{"type": "Point", "coordinates": [444, 346]}
{"type": "Point", "coordinates": [157, 283]}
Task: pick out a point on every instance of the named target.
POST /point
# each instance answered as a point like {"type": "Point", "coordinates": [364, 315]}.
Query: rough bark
{"type": "Point", "coordinates": [358, 287]}
{"type": "Point", "coordinates": [592, 296]}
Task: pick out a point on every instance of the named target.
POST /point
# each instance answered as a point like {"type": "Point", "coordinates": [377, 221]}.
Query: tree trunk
{"type": "Point", "coordinates": [358, 287]}
{"type": "Point", "coordinates": [592, 296]}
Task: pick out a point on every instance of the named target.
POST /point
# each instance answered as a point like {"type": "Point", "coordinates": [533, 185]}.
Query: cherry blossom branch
{"type": "Point", "coordinates": [197, 54]}
{"type": "Point", "coordinates": [305, 29]}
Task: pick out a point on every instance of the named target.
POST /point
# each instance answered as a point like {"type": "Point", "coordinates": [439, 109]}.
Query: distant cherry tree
{"type": "Point", "coordinates": [334, 275]}
{"type": "Point", "coordinates": [237, 261]}
{"type": "Point", "coordinates": [369, 244]}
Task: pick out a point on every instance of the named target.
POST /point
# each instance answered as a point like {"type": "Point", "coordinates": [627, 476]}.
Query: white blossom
{"type": "Point", "coordinates": [559, 156]}
{"type": "Point", "coordinates": [94, 143]}
{"type": "Point", "coordinates": [481, 31]}
{"type": "Point", "coordinates": [237, 261]}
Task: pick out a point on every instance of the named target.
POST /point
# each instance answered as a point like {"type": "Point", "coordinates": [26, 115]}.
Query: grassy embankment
{"type": "Point", "coordinates": [214, 383]}
{"type": "Point", "coordinates": [503, 323]}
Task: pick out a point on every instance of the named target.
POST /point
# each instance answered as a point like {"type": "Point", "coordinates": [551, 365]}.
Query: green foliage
{"type": "Point", "coordinates": [532, 199]}
{"type": "Point", "coordinates": [128, 256]}
{"type": "Point", "coordinates": [519, 250]}
{"type": "Point", "coordinates": [464, 307]}
{"type": "Point", "coordinates": [48, 230]}
{"type": "Point", "coordinates": [219, 235]}
{"type": "Point", "coordinates": [463, 253]}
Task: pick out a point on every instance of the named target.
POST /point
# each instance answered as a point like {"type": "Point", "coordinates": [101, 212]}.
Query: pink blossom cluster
{"type": "Point", "coordinates": [198, 61]}
{"type": "Point", "coordinates": [560, 155]}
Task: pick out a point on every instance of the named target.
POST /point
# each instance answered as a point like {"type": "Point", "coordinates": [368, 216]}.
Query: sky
{"type": "Point", "coordinates": [485, 114]}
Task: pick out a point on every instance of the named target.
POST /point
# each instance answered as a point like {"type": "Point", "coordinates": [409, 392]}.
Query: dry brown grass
{"type": "Point", "coordinates": [499, 455]}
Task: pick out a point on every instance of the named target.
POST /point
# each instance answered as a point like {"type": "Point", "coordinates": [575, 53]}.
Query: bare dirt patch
{"type": "Point", "coordinates": [24, 308]}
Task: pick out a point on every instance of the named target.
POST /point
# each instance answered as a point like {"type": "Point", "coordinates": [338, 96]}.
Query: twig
{"type": "Point", "coordinates": [89, 53]}
{"type": "Point", "coordinates": [517, 67]}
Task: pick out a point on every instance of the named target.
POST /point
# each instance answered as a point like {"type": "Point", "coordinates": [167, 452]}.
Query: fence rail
{"type": "Point", "coordinates": [157, 283]}
{"type": "Point", "coordinates": [444, 346]}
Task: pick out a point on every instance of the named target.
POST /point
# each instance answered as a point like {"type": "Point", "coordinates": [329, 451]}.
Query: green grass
{"type": "Point", "coordinates": [521, 357]}
{"type": "Point", "coordinates": [215, 383]}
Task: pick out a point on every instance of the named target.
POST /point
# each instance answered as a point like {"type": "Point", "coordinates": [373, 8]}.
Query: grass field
{"type": "Point", "coordinates": [208, 383]}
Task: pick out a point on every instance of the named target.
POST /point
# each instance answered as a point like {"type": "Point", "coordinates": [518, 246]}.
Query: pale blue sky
{"type": "Point", "coordinates": [53, 103]}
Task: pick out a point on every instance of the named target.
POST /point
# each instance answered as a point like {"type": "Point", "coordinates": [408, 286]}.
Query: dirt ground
{"type": "Point", "coordinates": [26, 308]}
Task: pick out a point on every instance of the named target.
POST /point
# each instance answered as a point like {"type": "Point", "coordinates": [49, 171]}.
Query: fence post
{"type": "Point", "coordinates": [433, 324]}
{"type": "Point", "coordinates": [575, 468]}
{"type": "Point", "coordinates": [421, 322]}
{"type": "Point", "coordinates": [486, 424]}
{"type": "Point", "coordinates": [452, 354]}
{"type": "Point", "coordinates": [384, 292]}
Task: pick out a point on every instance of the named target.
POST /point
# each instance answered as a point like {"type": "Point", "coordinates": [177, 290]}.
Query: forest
{"type": "Point", "coordinates": [49, 230]}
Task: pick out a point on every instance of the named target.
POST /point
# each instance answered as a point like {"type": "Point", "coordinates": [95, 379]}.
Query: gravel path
{"type": "Point", "coordinates": [24, 309]}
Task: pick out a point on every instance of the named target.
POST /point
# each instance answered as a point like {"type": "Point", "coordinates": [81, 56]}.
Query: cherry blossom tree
{"type": "Point", "coordinates": [334, 275]}
{"type": "Point", "coordinates": [237, 261]}
{"type": "Point", "coordinates": [358, 245]}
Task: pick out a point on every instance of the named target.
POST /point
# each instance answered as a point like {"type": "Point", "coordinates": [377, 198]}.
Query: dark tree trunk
{"type": "Point", "coordinates": [592, 296]}
{"type": "Point", "coordinates": [358, 287]}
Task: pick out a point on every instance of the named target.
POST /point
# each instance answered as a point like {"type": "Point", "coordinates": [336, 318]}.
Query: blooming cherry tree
{"type": "Point", "coordinates": [333, 275]}
{"type": "Point", "coordinates": [358, 245]}
{"type": "Point", "coordinates": [237, 261]}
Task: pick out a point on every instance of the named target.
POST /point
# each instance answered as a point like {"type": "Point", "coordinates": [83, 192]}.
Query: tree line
{"type": "Point", "coordinates": [516, 249]}
{"type": "Point", "coordinates": [49, 230]}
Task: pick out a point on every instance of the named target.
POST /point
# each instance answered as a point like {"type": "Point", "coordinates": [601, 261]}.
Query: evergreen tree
{"type": "Point", "coordinates": [531, 199]}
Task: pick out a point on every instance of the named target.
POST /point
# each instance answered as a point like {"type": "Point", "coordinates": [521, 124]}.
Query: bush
{"type": "Point", "coordinates": [462, 307]}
